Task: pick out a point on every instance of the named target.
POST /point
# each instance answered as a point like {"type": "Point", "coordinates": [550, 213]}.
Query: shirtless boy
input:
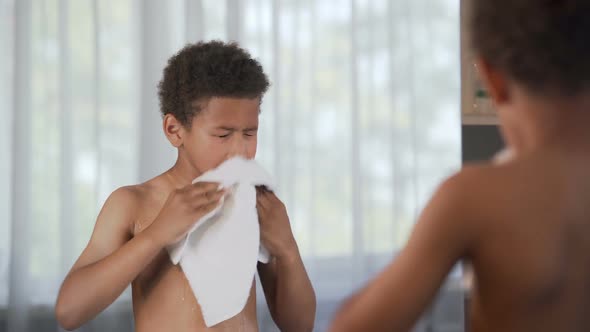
{"type": "Point", "coordinates": [210, 99]}
{"type": "Point", "coordinates": [524, 223]}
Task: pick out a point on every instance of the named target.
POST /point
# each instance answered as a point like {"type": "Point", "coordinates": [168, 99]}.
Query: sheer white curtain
{"type": "Point", "coordinates": [360, 124]}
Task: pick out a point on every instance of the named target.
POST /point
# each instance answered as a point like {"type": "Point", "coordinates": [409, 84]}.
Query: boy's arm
{"type": "Point", "coordinates": [288, 292]}
{"type": "Point", "coordinates": [107, 266]}
{"type": "Point", "coordinates": [287, 288]}
{"type": "Point", "coordinates": [112, 260]}
{"type": "Point", "coordinates": [394, 300]}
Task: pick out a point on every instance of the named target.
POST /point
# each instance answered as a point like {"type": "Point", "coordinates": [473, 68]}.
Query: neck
{"type": "Point", "coordinates": [536, 122]}
{"type": "Point", "coordinates": [183, 172]}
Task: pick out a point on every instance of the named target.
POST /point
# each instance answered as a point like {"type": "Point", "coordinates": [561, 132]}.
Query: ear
{"type": "Point", "coordinates": [495, 81]}
{"type": "Point", "coordinates": [174, 130]}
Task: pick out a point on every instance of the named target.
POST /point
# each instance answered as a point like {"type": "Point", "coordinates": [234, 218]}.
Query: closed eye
{"type": "Point", "coordinates": [251, 131]}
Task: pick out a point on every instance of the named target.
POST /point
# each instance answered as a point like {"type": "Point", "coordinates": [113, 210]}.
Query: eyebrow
{"type": "Point", "coordinates": [234, 129]}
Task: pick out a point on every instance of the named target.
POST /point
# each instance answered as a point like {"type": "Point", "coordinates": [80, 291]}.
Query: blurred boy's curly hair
{"type": "Point", "coordinates": [542, 44]}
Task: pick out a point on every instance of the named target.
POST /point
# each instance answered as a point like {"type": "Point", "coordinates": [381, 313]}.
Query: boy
{"type": "Point", "coordinates": [524, 223]}
{"type": "Point", "coordinates": [210, 98]}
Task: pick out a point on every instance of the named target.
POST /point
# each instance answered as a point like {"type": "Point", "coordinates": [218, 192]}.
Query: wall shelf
{"type": "Point", "coordinates": [471, 119]}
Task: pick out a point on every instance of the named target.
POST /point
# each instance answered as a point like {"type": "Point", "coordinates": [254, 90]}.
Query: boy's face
{"type": "Point", "coordinates": [224, 128]}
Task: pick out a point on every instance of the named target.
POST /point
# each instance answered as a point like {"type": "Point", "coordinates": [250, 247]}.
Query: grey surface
{"type": "Point", "coordinates": [480, 142]}
{"type": "Point", "coordinates": [332, 281]}
{"type": "Point", "coordinates": [441, 317]}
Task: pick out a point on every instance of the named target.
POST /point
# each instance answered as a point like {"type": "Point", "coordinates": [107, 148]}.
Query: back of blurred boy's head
{"type": "Point", "coordinates": [205, 70]}
{"type": "Point", "coordinates": [542, 45]}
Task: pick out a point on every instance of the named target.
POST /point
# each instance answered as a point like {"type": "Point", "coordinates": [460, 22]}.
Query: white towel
{"type": "Point", "coordinates": [219, 254]}
{"type": "Point", "coordinates": [503, 156]}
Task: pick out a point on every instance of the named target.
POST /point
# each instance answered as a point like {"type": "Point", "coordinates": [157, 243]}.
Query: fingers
{"type": "Point", "coordinates": [206, 208]}
{"type": "Point", "coordinates": [207, 189]}
{"type": "Point", "coordinates": [263, 188]}
{"type": "Point", "coordinates": [207, 198]}
{"type": "Point", "coordinates": [202, 187]}
{"type": "Point", "coordinates": [208, 193]}
{"type": "Point", "coordinates": [259, 191]}
{"type": "Point", "coordinates": [262, 203]}
{"type": "Point", "coordinates": [273, 198]}
{"type": "Point", "coordinates": [263, 200]}
{"type": "Point", "coordinates": [262, 213]}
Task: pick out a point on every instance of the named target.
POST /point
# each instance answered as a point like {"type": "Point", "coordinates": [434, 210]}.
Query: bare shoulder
{"type": "Point", "coordinates": [125, 196]}
{"type": "Point", "coordinates": [123, 202]}
{"type": "Point", "coordinates": [113, 226]}
{"type": "Point", "coordinates": [129, 199]}
{"type": "Point", "coordinates": [118, 213]}
{"type": "Point", "coordinates": [116, 221]}
{"type": "Point", "coordinates": [469, 189]}
{"type": "Point", "coordinates": [453, 216]}
{"type": "Point", "coordinates": [505, 198]}
{"type": "Point", "coordinates": [500, 184]}
{"type": "Point", "coordinates": [473, 198]}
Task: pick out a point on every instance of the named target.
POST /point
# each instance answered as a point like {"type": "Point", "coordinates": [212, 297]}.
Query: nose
{"type": "Point", "coordinates": [238, 148]}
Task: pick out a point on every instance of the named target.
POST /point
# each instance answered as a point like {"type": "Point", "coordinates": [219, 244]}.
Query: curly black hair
{"type": "Point", "coordinates": [544, 45]}
{"type": "Point", "coordinates": [205, 70]}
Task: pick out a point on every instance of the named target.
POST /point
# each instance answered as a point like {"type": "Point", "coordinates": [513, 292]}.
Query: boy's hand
{"type": "Point", "coordinates": [182, 209]}
{"type": "Point", "coordinates": [275, 229]}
